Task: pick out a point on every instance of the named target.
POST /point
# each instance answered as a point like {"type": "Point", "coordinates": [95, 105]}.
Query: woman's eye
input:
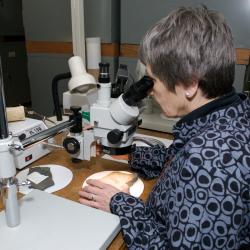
{"type": "Point", "coordinates": [154, 80]}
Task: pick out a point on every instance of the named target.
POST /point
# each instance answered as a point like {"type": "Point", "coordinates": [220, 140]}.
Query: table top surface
{"type": "Point", "coordinates": [82, 169]}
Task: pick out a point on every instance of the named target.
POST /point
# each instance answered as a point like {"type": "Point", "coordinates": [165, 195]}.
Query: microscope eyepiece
{"type": "Point", "coordinates": [138, 91]}
{"type": "Point", "coordinates": [104, 76]}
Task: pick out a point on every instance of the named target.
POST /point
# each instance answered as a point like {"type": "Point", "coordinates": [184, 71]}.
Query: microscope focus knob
{"type": "Point", "coordinates": [71, 145]}
{"type": "Point", "coordinates": [114, 136]}
{"type": "Point", "coordinates": [75, 109]}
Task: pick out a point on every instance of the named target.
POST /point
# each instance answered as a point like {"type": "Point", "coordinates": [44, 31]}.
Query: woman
{"type": "Point", "coordinates": [202, 197]}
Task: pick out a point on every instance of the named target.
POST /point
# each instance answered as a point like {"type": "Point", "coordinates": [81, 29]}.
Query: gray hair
{"type": "Point", "coordinates": [191, 44]}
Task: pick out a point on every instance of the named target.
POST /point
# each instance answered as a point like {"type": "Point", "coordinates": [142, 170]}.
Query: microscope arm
{"type": "Point", "coordinates": [48, 133]}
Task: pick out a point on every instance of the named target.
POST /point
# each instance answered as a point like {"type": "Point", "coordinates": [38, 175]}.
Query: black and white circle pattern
{"type": "Point", "coordinates": [202, 198]}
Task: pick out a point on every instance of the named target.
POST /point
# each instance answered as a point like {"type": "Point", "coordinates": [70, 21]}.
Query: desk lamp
{"type": "Point", "coordinates": [80, 81]}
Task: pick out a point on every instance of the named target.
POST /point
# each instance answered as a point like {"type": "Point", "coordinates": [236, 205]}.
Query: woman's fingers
{"type": "Point", "coordinates": [97, 187]}
{"type": "Point", "coordinates": [92, 189]}
{"type": "Point", "coordinates": [95, 201]}
{"type": "Point", "coordinates": [97, 194]}
{"type": "Point", "coordinates": [97, 183]}
{"type": "Point", "coordinates": [86, 195]}
{"type": "Point", "coordinates": [89, 203]}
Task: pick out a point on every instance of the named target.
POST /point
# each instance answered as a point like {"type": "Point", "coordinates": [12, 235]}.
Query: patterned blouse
{"type": "Point", "coordinates": [202, 196]}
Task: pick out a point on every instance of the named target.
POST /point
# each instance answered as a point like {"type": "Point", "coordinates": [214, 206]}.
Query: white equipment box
{"type": "Point", "coordinates": [22, 130]}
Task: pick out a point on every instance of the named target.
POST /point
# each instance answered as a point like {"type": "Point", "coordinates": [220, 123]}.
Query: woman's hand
{"type": "Point", "coordinates": [98, 194]}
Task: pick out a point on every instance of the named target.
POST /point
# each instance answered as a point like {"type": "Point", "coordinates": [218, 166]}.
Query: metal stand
{"type": "Point", "coordinates": [8, 184]}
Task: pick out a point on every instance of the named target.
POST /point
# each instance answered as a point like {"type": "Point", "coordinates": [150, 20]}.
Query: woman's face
{"type": "Point", "coordinates": [172, 104]}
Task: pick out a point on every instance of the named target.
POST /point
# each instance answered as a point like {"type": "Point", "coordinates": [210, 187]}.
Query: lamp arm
{"type": "Point", "coordinates": [55, 95]}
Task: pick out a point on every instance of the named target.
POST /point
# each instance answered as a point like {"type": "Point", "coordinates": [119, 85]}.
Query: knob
{"type": "Point", "coordinates": [77, 118]}
{"type": "Point", "coordinates": [71, 145]}
{"type": "Point", "coordinates": [75, 109]}
{"type": "Point", "coordinates": [114, 136]}
{"type": "Point", "coordinates": [22, 136]}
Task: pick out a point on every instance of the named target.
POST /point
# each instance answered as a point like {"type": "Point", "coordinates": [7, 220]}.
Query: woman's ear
{"type": "Point", "coordinates": [191, 90]}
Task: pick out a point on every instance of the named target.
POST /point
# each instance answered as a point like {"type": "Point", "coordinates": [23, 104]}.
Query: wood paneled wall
{"type": "Point", "coordinates": [109, 49]}
{"type": "Point", "coordinates": [131, 50]}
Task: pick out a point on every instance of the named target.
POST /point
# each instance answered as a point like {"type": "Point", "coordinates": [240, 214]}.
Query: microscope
{"type": "Point", "coordinates": [113, 121]}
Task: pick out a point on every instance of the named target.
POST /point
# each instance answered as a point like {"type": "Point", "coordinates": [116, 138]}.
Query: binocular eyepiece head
{"type": "Point", "coordinates": [138, 91]}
